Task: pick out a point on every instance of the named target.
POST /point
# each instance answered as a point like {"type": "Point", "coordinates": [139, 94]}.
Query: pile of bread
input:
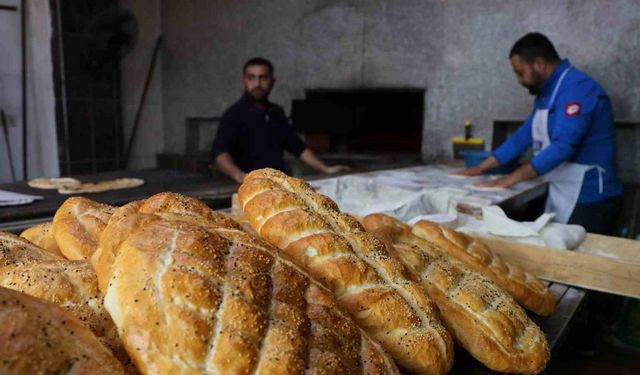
{"type": "Point", "coordinates": [168, 286]}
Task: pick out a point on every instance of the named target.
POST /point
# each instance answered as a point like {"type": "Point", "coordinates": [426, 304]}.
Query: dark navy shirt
{"type": "Point", "coordinates": [581, 130]}
{"type": "Point", "coordinates": [256, 138]}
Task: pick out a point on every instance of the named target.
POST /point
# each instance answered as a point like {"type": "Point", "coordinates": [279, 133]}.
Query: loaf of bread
{"type": "Point", "coordinates": [190, 292]}
{"type": "Point", "coordinates": [70, 284]}
{"type": "Point", "coordinates": [237, 215]}
{"type": "Point", "coordinates": [37, 337]}
{"type": "Point", "coordinates": [42, 236]}
{"type": "Point", "coordinates": [368, 282]}
{"type": "Point", "coordinates": [77, 225]}
{"type": "Point", "coordinates": [526, 288]}
{"type": "Point", "coordinates": [483, 318]}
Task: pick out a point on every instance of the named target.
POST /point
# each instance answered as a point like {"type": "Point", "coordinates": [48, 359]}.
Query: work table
{"type": "Point", "coordinates": [216, 191]}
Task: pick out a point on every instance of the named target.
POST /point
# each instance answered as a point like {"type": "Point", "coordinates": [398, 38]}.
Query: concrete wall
{"type": "Point", "coordinates": [42, 152]}
{"type": "Point", "coordinates": [456, 49]}
{"type": "Point", "coordinates": [134, 67]}
{"type": "Point", "coordinates": [11, 92]}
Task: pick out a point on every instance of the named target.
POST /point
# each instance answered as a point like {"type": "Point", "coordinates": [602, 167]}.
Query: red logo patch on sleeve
{"type": "Point", "coordinates": [572, 109]}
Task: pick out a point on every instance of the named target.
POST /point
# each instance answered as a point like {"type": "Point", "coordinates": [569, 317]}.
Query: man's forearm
{"type": "Point", "coordinates": [228, 166]}
{"type": "Point", "coordinates": [488, 163]}
{"type": "Point", "coordinates": [524, 173]}
{"type": "Point", "coordinates": [312, 160]}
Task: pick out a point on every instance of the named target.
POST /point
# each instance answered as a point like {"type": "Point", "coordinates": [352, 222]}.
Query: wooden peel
{"type": "Point", "coordinates": [611, 247]}
{"type": "Point", "coordinates": [617, 272]}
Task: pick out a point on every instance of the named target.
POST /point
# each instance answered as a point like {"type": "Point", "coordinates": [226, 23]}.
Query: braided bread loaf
{"type": "Point", "coordinates": [367, 281]}
{"type": "Point", "coordinates": [483, 318]}
{"type": "Point", "coordinates": [41, 235]}
{"type": "Point", "coordinates": [77, 225]}
{"type": "Point", "coordinates": [190, 292]}
{"type": "Point", "coordinates": [37, 337]}
{"type": "Point", "coordinates": [527, 289]}
{"type": "Point", "coordinates": [69, 284]}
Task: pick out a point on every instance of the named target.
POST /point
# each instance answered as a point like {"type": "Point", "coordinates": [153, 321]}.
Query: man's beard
{"type": "Point", "coordinates": [259, 95]}
{"type": "Point", "coordinates": [534, 88]}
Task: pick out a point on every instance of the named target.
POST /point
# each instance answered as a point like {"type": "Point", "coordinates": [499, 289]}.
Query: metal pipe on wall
{"type": "Point", "coordinates": [7, 145]}
{"type": "Point", "coordinates": [63, 92]}
{"type": "Point", "coordinates": [10, 8]}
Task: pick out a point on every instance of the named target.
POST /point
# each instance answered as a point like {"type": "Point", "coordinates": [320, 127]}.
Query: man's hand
{"type": "Point", "coordinates": [312, 160]}
{"type": "Point", "coordinates": [502, 182]}
{"type": "Point", "coordinates": [337, 169]}
{"type": "Point", "coordinates": [525, 172]}
{"type": "Point", "coordinates": [488, 163]}
{"type": "Point", "coordinates": [228, 166]}
{"type": "Point", "coordinates": [470, 172]}
{"type": "Point", "coordinates": [239, 177]}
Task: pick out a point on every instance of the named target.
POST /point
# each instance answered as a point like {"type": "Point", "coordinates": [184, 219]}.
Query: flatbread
{"type": "Point", "coordinates": [486, 188]}
{"type": "Point", "coordinates": [459, 176]}
{"type": "Point", "coordinates": [53, 183]}
{"type": "Point", "coordinates": [96, 187]}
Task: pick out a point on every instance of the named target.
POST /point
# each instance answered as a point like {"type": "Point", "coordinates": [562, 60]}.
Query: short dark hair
{"type": "Point", "coordinates": [258, 61]}
{"type": "Point", "coordinates": [534, 45]}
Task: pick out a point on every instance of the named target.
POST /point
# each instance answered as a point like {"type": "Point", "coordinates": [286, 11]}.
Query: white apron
{"type": "Point", "coordinates": [565, 181]}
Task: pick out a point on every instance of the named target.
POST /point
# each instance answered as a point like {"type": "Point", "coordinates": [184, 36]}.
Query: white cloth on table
{"type": "Point", "coordinates": [10, 198]}
{"type": "Point", "coordinates": [541, 232]}
{"type": "Point", "coordinates": [361, 195]}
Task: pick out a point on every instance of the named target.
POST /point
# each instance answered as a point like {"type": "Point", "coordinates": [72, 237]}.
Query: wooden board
{"type": "Point", "coordinates": [607, 274]}
{"type": "Point", "coordinates": [611, 247]}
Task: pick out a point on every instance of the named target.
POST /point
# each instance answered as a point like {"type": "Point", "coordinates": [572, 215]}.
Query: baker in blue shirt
{"type": "Point", "coordinates": [572, 134]}
{"type": "Point", "coordinates": [254, 132]}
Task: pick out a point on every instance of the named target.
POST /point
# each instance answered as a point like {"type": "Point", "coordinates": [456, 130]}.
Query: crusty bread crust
{"type": "Point", "coordinates": [190, 291]}
{"type": "Point", "coordinates": [526, 288]}
{"type": "Point", "coordinates": [367, 281]}
{"type": "Point", "coordinates": [70, 284]}
{"type": "Point", "coordinates": [483, 318]}
{"type": "Point", "coordinates": [42, 236]}
{"type": "Point", "coordinates": [77, 226]}
{"type": "Point", "coordinates": [37, 337]}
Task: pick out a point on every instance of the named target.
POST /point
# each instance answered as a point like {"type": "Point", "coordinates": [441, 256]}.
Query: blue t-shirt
{"type": "Point", "coordinates": [581, 130]}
